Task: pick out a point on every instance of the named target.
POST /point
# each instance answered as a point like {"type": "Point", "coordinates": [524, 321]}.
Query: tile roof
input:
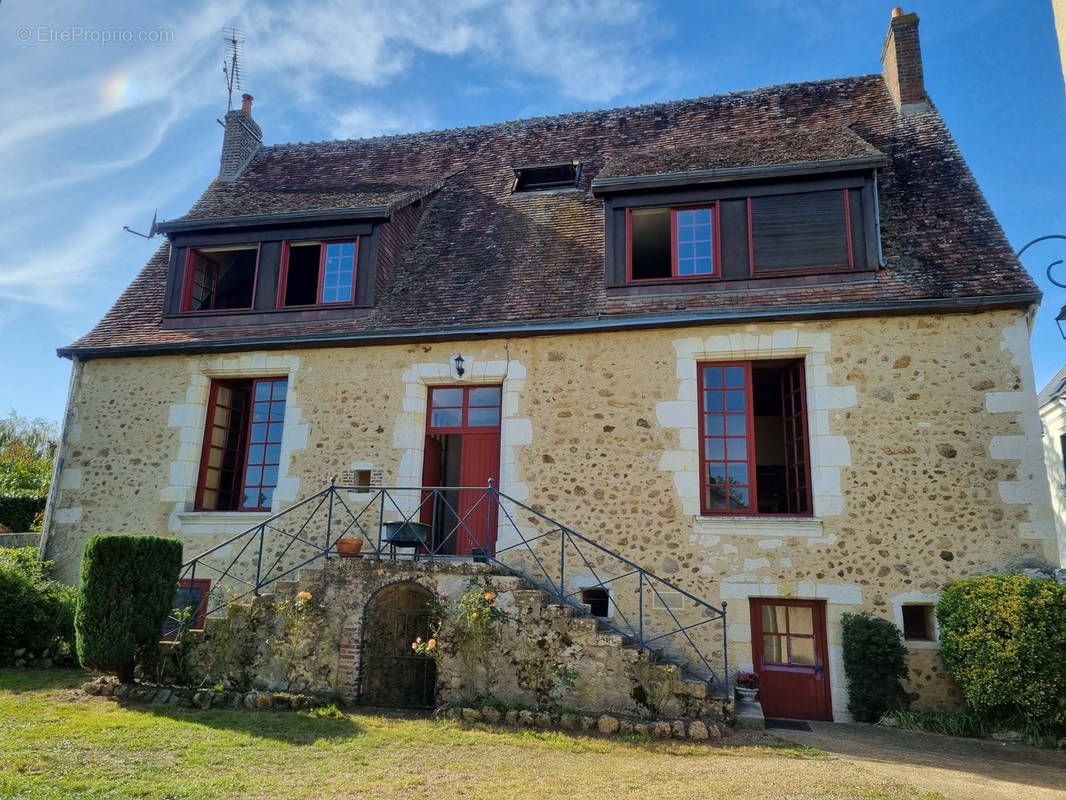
{"type": "Point", "coordinates": [482, 256]}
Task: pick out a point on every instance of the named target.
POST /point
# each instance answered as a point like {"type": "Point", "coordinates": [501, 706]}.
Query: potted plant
{"type": "Point", "coordinates": [747, 684]}
{"type": "Point", "coordinates": [348, 548]}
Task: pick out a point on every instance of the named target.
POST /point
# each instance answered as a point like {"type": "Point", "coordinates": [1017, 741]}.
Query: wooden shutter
{"type": "Point", "coordinates": [807, 231]}
{"type": "Point", "coordinates": [794, 414]}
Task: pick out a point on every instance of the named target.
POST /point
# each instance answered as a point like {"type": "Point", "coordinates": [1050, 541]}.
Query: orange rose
{"type": "Point", "coordinates": [489, 595]}
{"type": "Point", "coordinates": [431, 644]}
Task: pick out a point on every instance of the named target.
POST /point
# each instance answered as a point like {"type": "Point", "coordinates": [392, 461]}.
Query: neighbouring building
{"type": "Point", "coordinates": [1052, 404]}
{"type": "Point", "coordinates": [771, 346]}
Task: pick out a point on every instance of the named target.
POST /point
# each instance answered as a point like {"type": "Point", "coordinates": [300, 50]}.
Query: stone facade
{"type": "Point", "coordinates": [926, 463]}
{"type": "Point", "coordinates": [541, 655]}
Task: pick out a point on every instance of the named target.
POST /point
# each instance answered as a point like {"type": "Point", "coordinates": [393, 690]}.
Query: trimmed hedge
{"type": "Point", "coordinates": [127, 590]}
{"type": "Point", "coordinates": [38, 613]}
{"type": "Point", "coordinates": [875, 662]}
{"type": "Point", "coordinates": [18, 513]}
{"type": "Point", "coordinates": [1003, 642]}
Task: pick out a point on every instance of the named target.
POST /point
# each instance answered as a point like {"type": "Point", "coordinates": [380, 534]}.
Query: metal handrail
{"type": "Point", "coordinates": [458, 522]}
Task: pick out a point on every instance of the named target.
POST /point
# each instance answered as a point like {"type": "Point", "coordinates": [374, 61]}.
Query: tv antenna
{"type": "Point", "coordinates": [231, 67]}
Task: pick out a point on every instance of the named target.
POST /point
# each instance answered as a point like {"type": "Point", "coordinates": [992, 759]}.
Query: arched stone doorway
{"type": "Point", "coordinates": [393, 674]}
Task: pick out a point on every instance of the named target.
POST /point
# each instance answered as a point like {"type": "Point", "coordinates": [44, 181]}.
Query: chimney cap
{"type": "Point", "coordinates": [246, 103]}
{"type": "Point", "coordinates": [897, 12]}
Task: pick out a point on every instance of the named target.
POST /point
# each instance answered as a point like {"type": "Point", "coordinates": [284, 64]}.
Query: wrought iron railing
{"type": "Point", "coordinates": [461, 523]}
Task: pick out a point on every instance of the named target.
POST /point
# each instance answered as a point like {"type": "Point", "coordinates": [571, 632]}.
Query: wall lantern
{"type": "Point", "coordinates": [459, 369]}
{"type": "Point", "coordinates": [1061, 318]}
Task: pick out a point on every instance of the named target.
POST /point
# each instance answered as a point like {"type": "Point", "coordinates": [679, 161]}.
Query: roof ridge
{"type": "Point", "coordinates": [569, 115]}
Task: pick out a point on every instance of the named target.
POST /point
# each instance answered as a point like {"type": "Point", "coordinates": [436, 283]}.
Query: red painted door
{"type": "Point", "coordinates": [431, 475]}
{"type": "Point", "coordinates": [467, 420]}
{"type": "Point", "coordinates": [480, 464]}
{"type": "Point", "coordinates": [790, 655]}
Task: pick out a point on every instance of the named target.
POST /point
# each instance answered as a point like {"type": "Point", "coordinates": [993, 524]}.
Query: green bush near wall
{"type": "Point", "coordinates": [875, 662]}
{"type": "Point", "coordinates": [18, 513]}
{"type": "Point", "coordinates": [36, 613]}
{"type": "Point", "coordinates": [1003, 642]}
{"type": "Point", "coordinates": [127, 590]}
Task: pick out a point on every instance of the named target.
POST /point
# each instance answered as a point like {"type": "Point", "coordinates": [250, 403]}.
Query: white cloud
{"type": "Point", "coordinates": [361, 121]}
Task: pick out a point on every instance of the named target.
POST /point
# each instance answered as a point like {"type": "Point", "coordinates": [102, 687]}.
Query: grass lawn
{"type": "Point", "coordinates": [56, 743]}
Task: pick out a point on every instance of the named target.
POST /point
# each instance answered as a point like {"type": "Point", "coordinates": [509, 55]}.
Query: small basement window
{"type": "Point", "coordinates": [547, 176]}
{"type": "Point", "coordinates": [219, 278]}
{"type": "Point", "coordinates": [318, 273]}
{"type": "Point", "coordinates": [598, 600]}
{"type": "Point", "coordinates": [671, 243]}
{"type": "Point", "coordinates": [918, 623]}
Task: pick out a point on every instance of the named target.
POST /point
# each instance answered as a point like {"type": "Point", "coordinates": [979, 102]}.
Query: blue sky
{"type": "Point", "coordinates": [100, 127]}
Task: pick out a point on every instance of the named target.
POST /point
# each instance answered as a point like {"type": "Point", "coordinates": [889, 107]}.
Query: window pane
{"type": "Point", "coordinates": [712, 377]}
{"type": "Point", "coordinates": [738, 472]}
{"type": "Point", "coordinates": [694, 234]}
{"type": "Point", "coordinates": [773, 650]}
{"type": "Point", "coordinates": [734, 400]}
{"type": "Point", "coordinates": [716, 498]}
{"type": "Point", "coordinates": [259, 433]}
{"type": "Point", "coordinates": [713, 425]}
{"type": "Point", "coordinates": [737, 449]}
{"type": "Point", "coordinates": [270, 476]}
{"type": "Point", "coordinates": [447, 397]}
{"type": "Point", "coordinates": [716, 471]}
{"type": "Point", "coordinates": [734, 377]}
{"type": "Point", "coordinates": [250, 498]}
{"type": "Point", "coordinates": [714, 449]}
{"type": "Point", "coordinates": [773, 618]}
{"type": "Point", "coordinates": [737, 424]}
{"type": "Point", "coordinates": [446, 418]}
{"type": "Point", "coordinates": [273, 454]}
{"type": "Point", "coordinates": [274, 432]}
{"type": "Point", "coordinates": [484, 416]}
{"type": "Point", "coordinates": [800, 620]}
{"type": "Point", "coordinates": [339, 271]}
{"type": "Point", "coordinates": [280, 390]}
{"type": "Point", "coordinates": [738, 498]}
{"type": "Point", "coordinates": [277, 412]}
{"type": "Point", "coordinates": [714, 401]}
{"type": "Point", "coordinates": [802, 651]}
{"type": "Point", "coordinates": [261, 412]}
{"type": "Point", "coordinates": [254, 476]}
{"type": "Point", "coordinates": [255, 454]}
{"type": "Point", "coordinates": [485, 396]}
{"type": "Point", "coordinates": [266, 497]}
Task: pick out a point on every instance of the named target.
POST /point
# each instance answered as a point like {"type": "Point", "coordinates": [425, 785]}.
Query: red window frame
{"type": "Point", "coordinates": [797, 471]}
{"type": "Point", "coordinates": [189, 276]}
{"type": "Point", "coordinates": [284, 276]}
{"type": "Point", "coordinates": [716, 245]}
{"type": "Point", "coordinates": [805, 270]}
{"type": "Point", "coordinates": [464, 408]}
{"type": "Point", "coordinates": [704, 436]}
{"type": "Point", "coordinates": [200, 614]}
{"type": "Point", "coordinates": [244, 447]}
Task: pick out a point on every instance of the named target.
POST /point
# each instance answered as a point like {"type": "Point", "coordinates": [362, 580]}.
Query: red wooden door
{"type": "Point", "coordinates": [431, 474]}
{"type": "Point", "coordinates": [480, 464]}
{"type": "Point", "coordinates": [790, 655]}
{"type": "Point", "coordinates": [794, 416]}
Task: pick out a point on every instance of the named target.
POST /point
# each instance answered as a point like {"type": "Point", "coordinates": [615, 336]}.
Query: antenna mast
{"type": "Point", "coordinates": [231, 67]}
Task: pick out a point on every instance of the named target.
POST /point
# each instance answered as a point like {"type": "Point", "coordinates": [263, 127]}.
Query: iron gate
{"type": "Point", "coordinates": [393, 674]}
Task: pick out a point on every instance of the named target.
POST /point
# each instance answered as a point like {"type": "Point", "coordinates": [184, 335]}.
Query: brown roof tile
{"type": "Point", "coordinates": [481, 256]}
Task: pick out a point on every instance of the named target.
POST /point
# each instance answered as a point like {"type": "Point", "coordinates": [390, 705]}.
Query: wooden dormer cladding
{"type": "Point", "coordinates": [788, 227]}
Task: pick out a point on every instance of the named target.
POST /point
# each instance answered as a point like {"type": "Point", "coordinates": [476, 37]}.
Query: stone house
{"type": "Point", "coordinates": [1051, 401]}
{"type": "Point", "coordinates": [771, 347]}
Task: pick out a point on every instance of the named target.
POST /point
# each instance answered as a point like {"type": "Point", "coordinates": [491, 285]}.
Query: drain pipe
{"type": "Point", "coordinates": [57, 469]}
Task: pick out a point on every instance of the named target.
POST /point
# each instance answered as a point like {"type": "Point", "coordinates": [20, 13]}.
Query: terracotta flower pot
{"type": "Point", "coordinates": [348, 548]}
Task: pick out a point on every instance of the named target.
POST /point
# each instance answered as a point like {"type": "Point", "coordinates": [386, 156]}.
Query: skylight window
{"type": "Point", "coordinates": [543, 177]}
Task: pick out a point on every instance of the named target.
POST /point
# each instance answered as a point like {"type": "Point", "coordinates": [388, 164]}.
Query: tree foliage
{"type": "Point", "coordinates": [27, 451]}
{"type": "Point", "coordinates": [875, 662]}
{"type": "Point", "coordinates": [1003, 641]}
{"type": "Point", "coordinates": [128, 587]}
{"type": "Point", "coordinates": [37, 612]}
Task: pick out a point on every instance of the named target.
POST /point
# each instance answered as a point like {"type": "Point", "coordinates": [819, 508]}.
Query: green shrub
{"type": "Point", "coordinates": [127, 590]}
{"type": "Point", "coordinates": [1003, 640]}
{"type": "Point", "coordinates": [875, 661]}
{"type": "Point", "coordinates": [38, 613]}
{"type": "Point", "coordinates": [19, 513]}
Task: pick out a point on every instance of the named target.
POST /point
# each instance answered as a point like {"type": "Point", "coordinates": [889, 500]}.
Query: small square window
{"type": "Point", "coordinates": [918, 623]}
{"type": "Point", "coordinates": [598, 600]}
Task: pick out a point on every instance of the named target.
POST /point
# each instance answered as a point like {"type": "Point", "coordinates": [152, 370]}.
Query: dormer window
{"type": "Point", "coordinates": [671, 243]}
{"type": "Point", "coordinates": [219, 278]}
{"type": "Point", "coordinates": [318, 273]}
{"type": "Point", "coordinates": [547, 176]}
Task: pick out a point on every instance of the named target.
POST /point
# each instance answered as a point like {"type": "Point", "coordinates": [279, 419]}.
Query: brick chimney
{"type": "Point", "coordinates": [241, 140]}
{"type": "Point", "coordinates": [901, 63]}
